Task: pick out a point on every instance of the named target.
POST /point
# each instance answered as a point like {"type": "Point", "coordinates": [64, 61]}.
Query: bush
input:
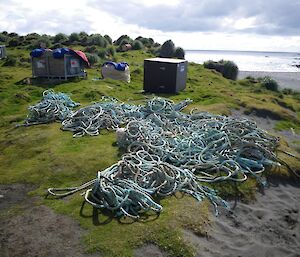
{"type": "Point", "coordinates": [10, 61]}
{"type": "Point", "coordinates": [3, 38]}
{"type": "Point", "coordinates": [111, 51]}
{"type": "Point", "coordinates": [124, 42]}
{"type": "Point", "coordinates": [252, 79]}
{"type": "Point", "coordinates": [57, 45]}
{"type": "Point", "coordinates": [121, 38]}
{"type": "Point", "coordinates": [91, 49]}
{"type": "Point", "coordinates": [108, 39]}
{"type": "Point", "coordinates": [231, 70]}
{"type": "Point", "coordinates": [93, 58]}
{"type": "Point", "coordinates": [269, 83]}
{"type": "Point", "coordinates": [179, 53]}
{"type": "Point", "coordinates": [102, 53]}
{"type": "Point", "coordinates": [288, 91]}
{"type": "Point", "coordinates": [148, 42]}
{"type": "Point", "coordinates": [74, 37]}
{"type": "Point", "coordinates": [228, 69]}
{"type": "Point", "coordinates": [137, 45]}
{"type": "Point", "coordinates": [37, 44]}
{"type": "Point", "coordinates": [97, 40]}
{"type": "Point", "coordinates": [167, 50]}
{"type": "Point", "coordinates": [60, 38]}
{"type": "Point", "coordinates": [14, 42]}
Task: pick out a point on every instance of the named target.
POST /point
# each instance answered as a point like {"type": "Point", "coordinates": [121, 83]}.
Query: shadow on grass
{"type": "Point", "coordinates": [45, 82]}
{"type": "Point", "coordinates": [104, 217]}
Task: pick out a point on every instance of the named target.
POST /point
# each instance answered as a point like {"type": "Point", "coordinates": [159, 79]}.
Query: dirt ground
{"type": "Point", "coordinates": [36, 231]}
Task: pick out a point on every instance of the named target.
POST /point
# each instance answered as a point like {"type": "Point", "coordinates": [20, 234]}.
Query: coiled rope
{"type": "Point", "coordinates": [167, 152]}
{"type": "Point", "coordinates": [53, 107]}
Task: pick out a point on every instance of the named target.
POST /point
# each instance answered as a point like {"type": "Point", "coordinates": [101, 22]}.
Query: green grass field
{"type": "Point", "coordinates": [45, 156]}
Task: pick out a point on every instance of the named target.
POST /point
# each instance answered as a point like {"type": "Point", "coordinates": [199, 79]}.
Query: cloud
{"type": "Point", "coordinates": [33, 16]}
{"type": "Point", "coordinates": [193, 24]}
{"type": "Point", "coordinates": [267, 17]}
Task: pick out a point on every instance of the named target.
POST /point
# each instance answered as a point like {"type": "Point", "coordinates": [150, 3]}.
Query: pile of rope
{"type": "Point", "coordinates": [108, 114]}
{"type": "Point", "coordinates": [127, 187]}
{"type": "Point", "coordinates": [167, 152]}
{"type": "Point", "coordinates": [206, 144]}
{"type": "Point", "coordinates": [53, 107]}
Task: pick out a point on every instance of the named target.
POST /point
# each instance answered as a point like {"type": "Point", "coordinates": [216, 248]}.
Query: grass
{"type": "Point", "coordinates": [48, 157]}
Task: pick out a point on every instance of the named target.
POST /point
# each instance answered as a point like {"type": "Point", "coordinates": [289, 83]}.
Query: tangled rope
{"type": "Point", "coordinates": [167, 152]}
{"type": "Point", "coordinates": [203, 143]}
{"type": "Point", "coordinates": [127, 187]}
{"type": "Point", "coordinates": [89, 120]}
{"type": "Point", "coordinates": [53, 107]}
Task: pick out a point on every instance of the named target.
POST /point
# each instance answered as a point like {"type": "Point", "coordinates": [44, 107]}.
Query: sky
{"type": "Point", "coordinates": [259, 25]}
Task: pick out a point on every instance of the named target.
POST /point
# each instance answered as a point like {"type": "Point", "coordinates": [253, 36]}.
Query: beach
{"type": "Point", "coordinates": [281, 66]}
{"type": "Point", "coordinates": [284, 79]}
{"type": "Point", "coordinates": [267, 227]}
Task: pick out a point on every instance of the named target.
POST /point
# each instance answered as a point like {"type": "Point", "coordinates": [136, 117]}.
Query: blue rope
{"type": "Point", "coordinates": [167, 152]}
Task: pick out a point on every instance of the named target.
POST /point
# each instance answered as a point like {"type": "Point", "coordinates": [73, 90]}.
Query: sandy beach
{"type": "Point", "coordinates": [267, 227]}
{"type": "Point", "coordinates": [285, 79]}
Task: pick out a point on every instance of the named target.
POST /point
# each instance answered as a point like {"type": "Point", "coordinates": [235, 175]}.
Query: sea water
{"type": "Point", "coordinates": [250, 60]}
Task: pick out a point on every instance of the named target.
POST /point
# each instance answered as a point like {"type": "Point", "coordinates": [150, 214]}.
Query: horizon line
{"type": "Point", "coordinates": [226, 50]}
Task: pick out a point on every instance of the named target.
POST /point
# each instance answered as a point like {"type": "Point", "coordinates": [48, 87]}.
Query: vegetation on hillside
{"type": "Point", "coordinates": [45, 156]}
{"type": "Point", "coordinates": [95, 44]}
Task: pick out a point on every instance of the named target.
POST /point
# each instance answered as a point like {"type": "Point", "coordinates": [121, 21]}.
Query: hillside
{"type": "Point", "coordinates": [44, 156]}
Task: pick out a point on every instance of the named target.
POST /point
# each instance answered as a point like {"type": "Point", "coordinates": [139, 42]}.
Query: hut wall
{"type": "Point", "coordinates": [48, 66]}
{"type": "Point", "coordinates": [2, 52]}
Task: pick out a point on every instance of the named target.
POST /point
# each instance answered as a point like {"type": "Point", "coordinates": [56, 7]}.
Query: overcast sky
{"type": "Point", "coordinates": [267, 25]}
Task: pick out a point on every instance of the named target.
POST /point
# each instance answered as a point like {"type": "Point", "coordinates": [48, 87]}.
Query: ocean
{"type": "Point", "coordinates": [250, 60]}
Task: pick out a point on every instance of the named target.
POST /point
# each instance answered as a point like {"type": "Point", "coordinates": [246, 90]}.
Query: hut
{"type": "Point", "coordinates": [126, 47]}
{"type": "Point", "coordinates": [2, 51]}
{"type": "Point", "coordinates": [61, 63]}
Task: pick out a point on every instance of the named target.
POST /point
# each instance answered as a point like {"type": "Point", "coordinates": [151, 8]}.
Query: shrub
{"type": "Point", "coordinates": [137, 45]}
{"type": "Point", "coordinates": [60, 37]}
{"type": "Point", "coordinates": [228, 69]}
{"type": "Point", "coordinates": [91, 49]}
{"type": "Point", "coordinates": [10, 61]}
{"type": "Point", "coordinates": [121, 38]}
{"type": "Point", "coordinates": [74, 37]}
{"type": "Point", "coordinates": [97, 40]}
{"type": "Point", "coordinates": [269, 83]}
{"type": "Point", "coordinates": [154, 50]}
{"type": "Point", "coordinates": [148, 42]}
{"type": "Point", "coordinates": [3, 38]}
{"type": "Point", "coordinates": [167, 50]}
{"type": "Point", "coordinates": [252, 79]}
{"type": "Point", "coordinates": [111, 51]}
{"type": "Point", "coordinates": [124, 42]}
{"type": "Point", "coordinates": [179, 53]}
{"type": "Point", "coordinates": [14, 42]}
{"type": "Point", "coordinates": [57, 45]}
{"type": "Point", "coordinates": [102, 53]}
{"type": "Point", "coordinates": [37, 43]}
{"type": "Point", "coordinates": [231, 70]}
{"type": "Point", "coordinates": [108, 39]}
{"type": "Point", "coordinates": [93, 58]}
{"type": "Point", "coordinates": [289, 91]}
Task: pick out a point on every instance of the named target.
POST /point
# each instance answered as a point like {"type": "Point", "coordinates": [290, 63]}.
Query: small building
{"type": "Point", "coordinates": [126, 47]}
{"type": "Point", "coordinates": [2, 51]}
{"type": "Point", "coordinates": [61, 63]}
{"type": "Point", "coordinates": [164, 75]}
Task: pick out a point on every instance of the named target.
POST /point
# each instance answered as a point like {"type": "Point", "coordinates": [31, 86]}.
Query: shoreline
{"type": "Point", "coordinates": [284, 79]}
